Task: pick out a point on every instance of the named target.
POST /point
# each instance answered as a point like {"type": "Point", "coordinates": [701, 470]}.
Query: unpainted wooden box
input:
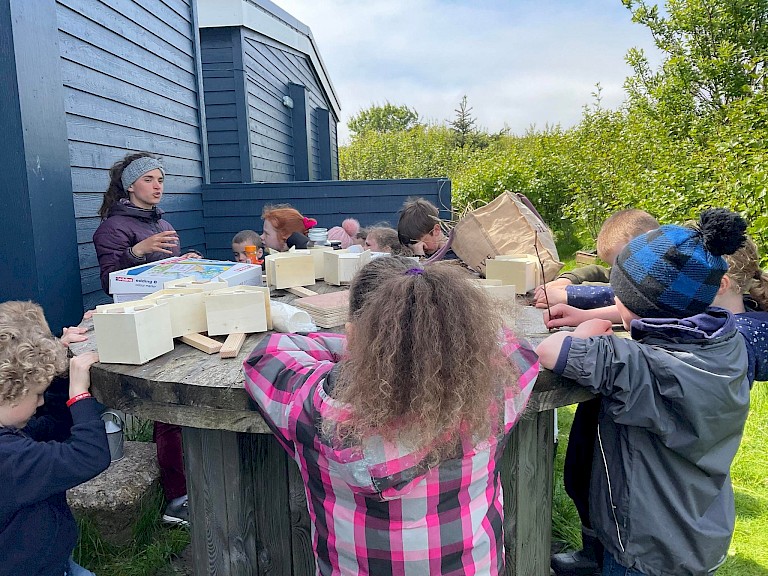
{"type": "Point", "coordinates": [236, 309]}
{"type": "Point", "coordinates": [487, 281]}
{"type": "Point", "coordinates": [520, 270]}
{"type": "Point", "coordinates": [342, 265]}
{"type": "Point", "coordinates": [318, 255]}
{"type": "Point", "coordinates": [190, 282]}
{"type": "Point", "coordinates": [132, 332]}
{"type": "Point", "coordinates": [290, 269]}
{"type": "Point", "coordinates": [187, 309]}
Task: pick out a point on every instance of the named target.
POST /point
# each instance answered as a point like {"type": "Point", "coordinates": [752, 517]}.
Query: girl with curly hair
{"type": "Point", "coordinates": [399, 428]}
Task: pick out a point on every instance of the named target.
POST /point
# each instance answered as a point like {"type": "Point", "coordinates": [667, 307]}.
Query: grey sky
{"type": "Point", "coordinates": [520, 62]}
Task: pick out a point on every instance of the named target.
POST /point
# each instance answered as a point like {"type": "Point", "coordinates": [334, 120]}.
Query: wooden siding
{"type": "Point", "coordinates": [130, 83]}
{"type": "Point", "coordinates": [231, 208]}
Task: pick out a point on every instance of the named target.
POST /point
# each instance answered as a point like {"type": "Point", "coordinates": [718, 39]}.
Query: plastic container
{"type": "Point", "coordinates": [319, 236]}
{"type": "Point", "coordinates": [252, 253]}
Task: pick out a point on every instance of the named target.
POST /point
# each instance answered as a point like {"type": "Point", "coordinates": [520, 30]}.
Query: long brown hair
{"type": "Point", "coordinates": [115, 191]}
{"type": "Point", "coordinates": [423, 365]}
{"type": "Point", "coordinates": [286, 220]}
{"type": "Point", "coordinates": [744, 270]}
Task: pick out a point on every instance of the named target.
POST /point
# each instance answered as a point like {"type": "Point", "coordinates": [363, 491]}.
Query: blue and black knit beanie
{"type": "Point", "coordinates": [675, 271]}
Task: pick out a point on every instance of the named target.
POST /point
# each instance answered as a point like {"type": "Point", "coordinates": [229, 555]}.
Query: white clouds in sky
{"type": "Point", "coordinates": [520, 62]}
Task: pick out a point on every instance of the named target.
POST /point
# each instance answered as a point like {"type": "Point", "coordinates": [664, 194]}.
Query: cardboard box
{"type": "Point", "coordinates": [132, 333]}
{"type": "Point", "coordinates": [135, 283]}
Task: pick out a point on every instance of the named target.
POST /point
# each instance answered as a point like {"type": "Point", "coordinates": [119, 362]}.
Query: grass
{"type": "Point", "coordinates": [153, 547]}
{"type": "Point", "coordinates": [748, 554]}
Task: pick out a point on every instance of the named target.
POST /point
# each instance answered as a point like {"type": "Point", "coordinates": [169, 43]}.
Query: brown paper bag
{"type": "Point", "coordinates": [505, 225]}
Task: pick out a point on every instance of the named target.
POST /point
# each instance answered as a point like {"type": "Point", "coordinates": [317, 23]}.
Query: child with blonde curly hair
{"type": "Point", "coordinates": [399, 428]}
{"type": "Point", "coordinates": [37, 530]}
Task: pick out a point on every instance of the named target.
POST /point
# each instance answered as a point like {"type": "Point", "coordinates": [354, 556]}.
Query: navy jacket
{"type": "Point", "coordinates": [37, 530]}
{"type": "Point", "coordinates": [125, 226]}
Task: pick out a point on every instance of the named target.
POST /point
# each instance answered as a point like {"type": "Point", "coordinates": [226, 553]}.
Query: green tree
{"type": "Point", "coordinates": [386, 118]}
{"type": "Point", "coordinates": [716, 53]}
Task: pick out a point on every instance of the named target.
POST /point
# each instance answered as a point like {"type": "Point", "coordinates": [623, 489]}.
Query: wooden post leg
{"type": "Point", "coordinates": [526, 477]}
{"type": "Point", "coordinates": [241, 506]}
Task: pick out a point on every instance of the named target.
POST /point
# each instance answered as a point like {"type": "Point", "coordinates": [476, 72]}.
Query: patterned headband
{"type": "Point", "coordinates": [138, 168]}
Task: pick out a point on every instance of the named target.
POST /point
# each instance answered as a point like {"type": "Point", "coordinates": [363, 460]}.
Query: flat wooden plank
{"type": "Point", "coordinates": [201, 342]}
{"type": "Point", "coordinates": [232, 345]}
{"type": "Point", "coordinates": [301, 291]}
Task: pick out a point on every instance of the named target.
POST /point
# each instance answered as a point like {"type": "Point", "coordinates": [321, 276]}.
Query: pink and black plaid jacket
{"type": "Point", "coordinates": [376, 508]}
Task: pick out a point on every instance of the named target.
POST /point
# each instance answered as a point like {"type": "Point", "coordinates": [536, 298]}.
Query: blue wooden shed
{"type": "Point", "coordinates": [232, 94]}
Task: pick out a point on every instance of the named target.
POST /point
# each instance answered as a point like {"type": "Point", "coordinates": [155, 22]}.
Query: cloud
{"type": "Point", "coordinates": [519, 62]}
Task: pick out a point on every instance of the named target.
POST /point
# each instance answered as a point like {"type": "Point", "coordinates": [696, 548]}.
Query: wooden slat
{"type": "Point", "coordinates": [232, 345]}
{"type": "Point", "coordinates": [301, 291]}
{"type": "Point", "coordinates": [201, 342]}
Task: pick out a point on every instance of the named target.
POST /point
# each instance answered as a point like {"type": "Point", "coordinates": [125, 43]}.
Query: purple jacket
{"type": "Point", "coordinates": [125, 226]}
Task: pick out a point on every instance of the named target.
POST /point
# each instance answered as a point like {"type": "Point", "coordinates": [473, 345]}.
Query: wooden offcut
{"type": "Point", "coordinates": [301, 291]}
{"type": "Point", "coordinates": [232, 345]}
{"type": "Point", "coordinates": [202, 343]}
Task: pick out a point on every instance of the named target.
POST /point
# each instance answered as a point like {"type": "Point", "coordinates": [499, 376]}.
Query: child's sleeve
{"type": "Point", "coordinates": [520, 353]}
{"type": "Point", "coordinates": [589, 297]}
{"type": "Point", "coordinates": [39, 470]}
{"type": "Point", "coordinates": [591, 273]}
{"type": "Point", "coordinates": [282, 373]}
{"type": "Point", "coordinates": [619, 370]}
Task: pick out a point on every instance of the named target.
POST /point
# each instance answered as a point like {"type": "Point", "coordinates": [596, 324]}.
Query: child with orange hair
{"type": "Point", "coordinates": [284, 227]}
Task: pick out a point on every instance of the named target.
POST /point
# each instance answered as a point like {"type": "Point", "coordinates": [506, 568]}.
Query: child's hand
{"type": "Point", "coordinates": [556, 293]}
{"type": "Point", "coordinates": [195, 255]}
{"type": "Point", "coordinates": [80, 372]}
{"type": "Point", "coordinates": [162, 242]}
{"type": "Point", "coordinates": [88, 315]}
{"type": "Point", "coordinates": [73, 334]}
{"type": "Point", "coordinates": [594, 327]}
{"type": "Point", "coordinates": [561, 315]}
{"type": "Point", "coordinates": [418, 248]}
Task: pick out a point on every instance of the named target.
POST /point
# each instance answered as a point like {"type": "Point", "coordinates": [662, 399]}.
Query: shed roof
{"type": "Point", "coordinates": [267, 18]}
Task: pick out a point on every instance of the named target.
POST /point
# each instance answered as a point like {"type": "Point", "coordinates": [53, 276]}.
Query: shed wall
{"type": "Point", "coordinates": [130, 84]}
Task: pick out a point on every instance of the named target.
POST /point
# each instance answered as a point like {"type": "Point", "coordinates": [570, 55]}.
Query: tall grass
{"type": "Point", "coordinates": [748, 554]}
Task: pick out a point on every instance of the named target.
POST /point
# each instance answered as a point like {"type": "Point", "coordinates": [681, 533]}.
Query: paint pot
{"type": "Point", "coordinates": [115, 426]}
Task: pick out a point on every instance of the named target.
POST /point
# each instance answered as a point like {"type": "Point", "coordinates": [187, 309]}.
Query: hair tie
{"type": "Point", "coordinates": [414, 272]}
{"type": "Point", "coordinates": [309, 223]}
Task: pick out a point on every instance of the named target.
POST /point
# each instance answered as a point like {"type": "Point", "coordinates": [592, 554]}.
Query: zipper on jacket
{"type": "Point", "coordinates": [610, 490]}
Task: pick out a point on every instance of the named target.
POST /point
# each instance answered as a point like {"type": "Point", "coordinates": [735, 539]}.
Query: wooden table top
{"type": "Point", "coordinates": [191, 388]}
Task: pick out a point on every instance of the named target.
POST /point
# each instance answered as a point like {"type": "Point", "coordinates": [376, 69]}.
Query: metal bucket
{"type": "Point", "coordinates": [115, 426]}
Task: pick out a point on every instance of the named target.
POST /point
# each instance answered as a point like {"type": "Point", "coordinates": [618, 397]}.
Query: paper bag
{"type": "Point", "coordinates": [505, 226]}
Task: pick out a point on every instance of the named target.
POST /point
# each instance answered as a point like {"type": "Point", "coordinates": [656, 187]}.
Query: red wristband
{"type": "Point", "coordinates": [78, 397]}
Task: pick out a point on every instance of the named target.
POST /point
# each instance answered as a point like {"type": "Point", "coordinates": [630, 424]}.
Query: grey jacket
{"type": "Point", "coordinates": [675, 400]}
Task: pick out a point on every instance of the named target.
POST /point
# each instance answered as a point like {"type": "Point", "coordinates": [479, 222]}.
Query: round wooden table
{"type": "Point", "coordinates": [248, 510]}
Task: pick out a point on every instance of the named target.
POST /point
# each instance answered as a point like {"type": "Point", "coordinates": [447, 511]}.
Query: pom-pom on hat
{"type": "Point", "coordinates": [675, 271]}
{"type": "Point", "coordinates": [345, 233]}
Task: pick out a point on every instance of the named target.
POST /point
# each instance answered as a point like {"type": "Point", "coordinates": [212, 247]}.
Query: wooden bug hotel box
{"type": "Point", "coordinates": [187, 309]}
{"type": "Point", "coordinates": [237, 309]}
{"type": "Point", "coordinates": [318, 254]}
{"type": "Point", "coordinates": [133, 332]}
{"type": "Point", "coordinates": [520, 270]}
{"type": "Point", "coordinates": [290, 269]}
{"type": "Point", "coordinates": [342, 265]}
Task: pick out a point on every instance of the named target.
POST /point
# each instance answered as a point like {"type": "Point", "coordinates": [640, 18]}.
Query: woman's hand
{"type": "Point", "coordinates": [194, 254]}
{"type": "Point", "coordinates": [163, 242]}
